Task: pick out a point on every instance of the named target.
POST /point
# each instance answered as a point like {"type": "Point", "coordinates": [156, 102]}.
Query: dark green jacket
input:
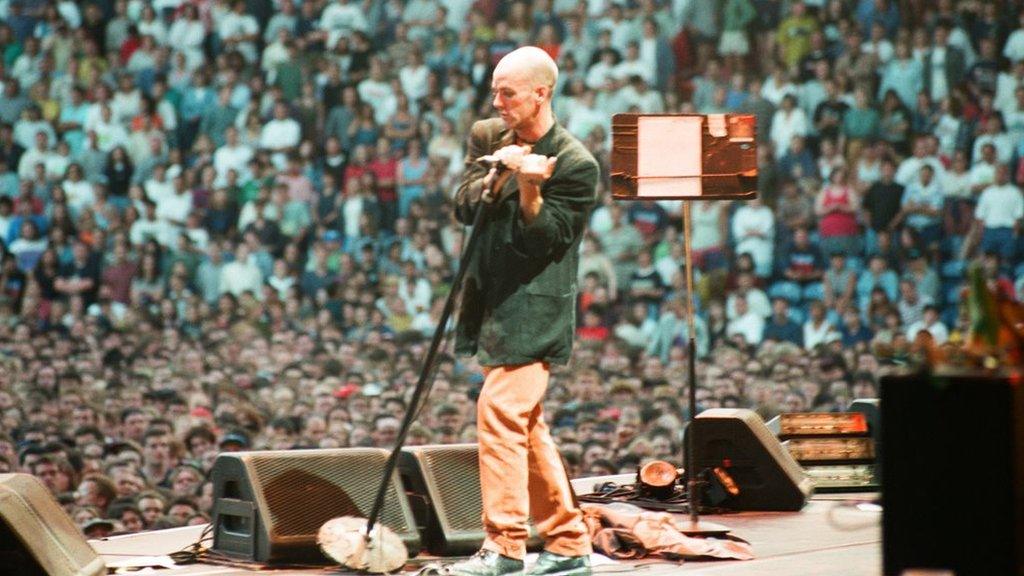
{"type": "Point", "coordinates": [519, 300]}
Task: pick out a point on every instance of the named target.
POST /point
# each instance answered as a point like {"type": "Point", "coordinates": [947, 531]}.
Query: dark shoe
{"type": "Point", "coordinates": [551, 564]}
{"type": "Point", "coordinates": [486, 563]}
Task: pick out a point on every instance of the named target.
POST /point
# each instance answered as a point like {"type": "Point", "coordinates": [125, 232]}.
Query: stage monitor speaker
{"type": "Point", "coordinates": [443, 482]}
{"type": "Point", "coordinates": [738, 442]}
{"type": "Point", "coordinates": [269, 505]}
{"type": "Point", "coordinates": [36, 537]}
{"type": "Point", "coordinates": [953, 473]}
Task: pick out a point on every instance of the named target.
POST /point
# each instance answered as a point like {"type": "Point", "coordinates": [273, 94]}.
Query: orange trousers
{"type": "Point", "coordinates": [521, 471]}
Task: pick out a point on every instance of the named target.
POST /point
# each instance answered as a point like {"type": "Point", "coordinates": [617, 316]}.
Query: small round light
{"type": "Point", "coordinates": [657, 479]}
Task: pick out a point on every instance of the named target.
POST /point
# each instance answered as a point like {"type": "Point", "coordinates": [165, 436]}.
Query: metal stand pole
{"type": "Point", "coordinates": [693, 485]}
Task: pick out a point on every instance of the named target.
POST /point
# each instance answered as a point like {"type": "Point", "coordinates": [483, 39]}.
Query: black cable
{"type": "Point", "coordinates": [193, 552]}
{"type": "Point", "coordinates": [679, 501]}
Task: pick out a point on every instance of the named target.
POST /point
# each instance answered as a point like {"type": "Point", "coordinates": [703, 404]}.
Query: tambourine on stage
{"type": "Point", "coordinates": [685, 157]}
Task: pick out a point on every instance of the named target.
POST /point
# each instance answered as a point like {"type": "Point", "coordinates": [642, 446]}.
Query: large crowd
{"type": "Point", "coordinates": [226, 224]}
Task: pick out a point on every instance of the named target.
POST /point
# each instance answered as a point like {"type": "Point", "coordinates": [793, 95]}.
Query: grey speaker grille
{"type": "Point", "coordinates": [304, 490]}
{"type": "Point", "coordinates": [457, 475]}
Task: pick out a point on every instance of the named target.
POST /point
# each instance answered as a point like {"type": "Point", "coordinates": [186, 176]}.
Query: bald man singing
{"type": "Point", "coordinates": [518, 314]}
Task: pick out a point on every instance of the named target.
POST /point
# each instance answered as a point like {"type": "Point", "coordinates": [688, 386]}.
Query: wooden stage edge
{"type": "Point", "coordinates": [827, 537]}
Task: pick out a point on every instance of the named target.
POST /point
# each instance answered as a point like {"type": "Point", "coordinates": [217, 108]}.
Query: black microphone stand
{"type": "Point", "coordinates": [425, 381]}
{"type": "Point", "coordinates": [694, 488]}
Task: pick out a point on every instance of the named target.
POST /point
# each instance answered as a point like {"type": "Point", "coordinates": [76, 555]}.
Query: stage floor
{"type": "Point", "coordinates": [826, 537]}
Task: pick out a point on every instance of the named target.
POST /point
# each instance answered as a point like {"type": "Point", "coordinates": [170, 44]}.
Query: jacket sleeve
{"type": "Point", "coordinates": [472, 183]}
{"type": "Point", "coordinates": [568, 199]}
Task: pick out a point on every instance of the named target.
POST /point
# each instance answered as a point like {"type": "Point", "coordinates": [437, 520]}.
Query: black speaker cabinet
{"type": "Point", "coordinates": [36, 537]}
{"type": "Point", "coordinates": [738, 441]}
{"type": "Point", "coordinates": [269, 505]}
{"type": "Point", "coordinates": [443, 482]}
{"type": "Point", "coordinates": [953, 473]}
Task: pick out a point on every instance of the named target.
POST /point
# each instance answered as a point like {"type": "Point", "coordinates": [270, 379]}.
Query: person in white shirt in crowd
{"type": "Point", "coordinates": [577, 42]}
{"type": "Point", "coordinates": [26, 66]}
{"type": "Point", "coordinates": [174, 208]}
{"type": "Point", "coordinates": [1007, 83]}
{"type": "Point", "coordinates": [159, 185]}
{"type": "Point", "coordinates": [814, 91]}
{"type": "Point", "coordinates": [778, 85]}
{"type": "Point", "coordinates": [921, 207]}
{"type": "Point", "coordinates": [910, 168]}
{"type": "Point", "coordinates": [126, 103]}
{"type": "Point", "coordinates": [637, 93]}
{"type": "Point", "coordinates": [242, 274]}
{"type": "Point", "coordinates": [69, 11]}
{"type": "Point", "coordinates": [944, 65]}
{"type": "Point", "coordinates": [631, 65]}
{"type": "Point", "coordinates": [959, 199]}
{"type": "Point", "coordinates": [983, 172]}
{"type": "Point", "coordinates": [78, 190]}
{"type": "Point", "coordinates": [150, 24]}
{"type": "Point", "coordinates": [342, 18]}
{"type": "Point", "coordinates": [110, 133]}
{"type": "Point", "coordinates": [148, 226]}
{"type": "Point", "coordinates": [756, 299]}
{"type": "Point", "coordinates": [585, 116]}
{"type": "Point", "coordinates": [787, 122]}
{"type": "Point", "coordinates": [745, 323]}
{"type": "Point", "coordinates": [1014, 118]}
{"type": "Point", "coordinates": [753, 228]}
{"type": "Point", "coordinates": [418, 15]}
{"type": "Point", "coordinates": [998, 215]}
{"type": "Point", "coordinates": [240, 31]}
{"type": "Point", "coordinates": [947, 128]}
{"type": "Point", "coordinates": [602, 71]}
{"type": "Point", "coordinates": [376, 91]}
{"type": "Point", "coordinates": [39, 154]}
{"type": "Point", "coordinates": [817, 329]}
{"type": "Point", "coordinates": [1013, 50]}
{"type": "Point", "coordinates": [28, 247]}
{"type": "Point", "coordinates": [281, 135]}
{"type": "Point", "coordinates": [29, 125]}
{"type": "Point", "coordinates": [165, 108]}
{"type": "Point", "coordinates": [413, 77]}
{"type": "Point", "coordinates": [281, 280]}
{"type": "Point", "coordinates": [931, 324]}
{"type": "Point", "coordinates": [187, 35]}
{"type": "Point", "coordinates": [286, 18]}
{"type": "Point", "coordinates": [878, 44]}
{"type": "Point", "coordinates": [146, 143]}
{"type": "Point", "coordinates": [623, 31]}
{"type": "Point", "coordinates": [994, 134]}
{"type": "Point", "coordinates": [276, 52]}
{"type": "Point", "coordinates": [6, 212]}
{"type": "Point", "coordinates": [233, 155]}
{"type": "Point", "coordinates": [57, 164]}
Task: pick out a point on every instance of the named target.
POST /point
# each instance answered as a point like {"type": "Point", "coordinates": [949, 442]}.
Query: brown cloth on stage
{"type": "Point", "coordinates": [624, 531]}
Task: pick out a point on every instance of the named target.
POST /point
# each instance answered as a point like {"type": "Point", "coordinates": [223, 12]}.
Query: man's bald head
{"type": "Point", "coordinates": [531, 63]}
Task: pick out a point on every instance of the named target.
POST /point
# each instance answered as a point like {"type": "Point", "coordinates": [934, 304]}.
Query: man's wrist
{"type": "Point", "coordinates": [530, 209]}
